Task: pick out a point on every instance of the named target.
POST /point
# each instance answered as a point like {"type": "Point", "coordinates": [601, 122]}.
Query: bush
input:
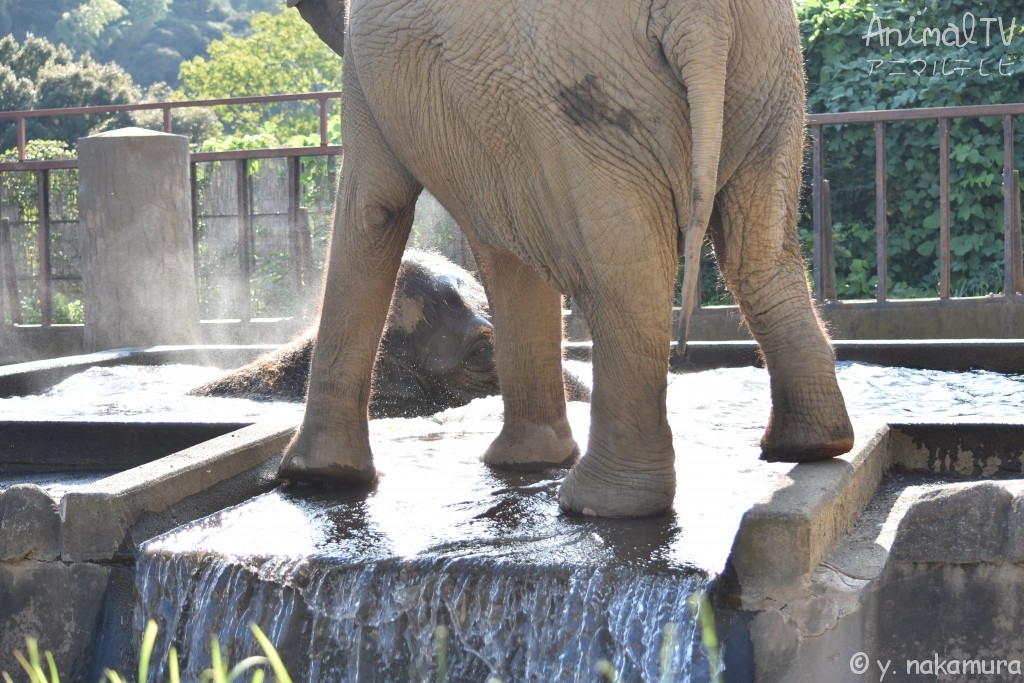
{"type": "Point", "coordinates": [854, 62]}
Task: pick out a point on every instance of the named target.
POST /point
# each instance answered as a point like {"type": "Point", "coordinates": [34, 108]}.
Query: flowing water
{"type": "Point", "coordinates": [351, 586]}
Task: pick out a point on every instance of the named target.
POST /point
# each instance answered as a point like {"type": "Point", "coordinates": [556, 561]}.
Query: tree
{"type": "Point", "coordinates": [281, 55]}
{"type": "Point", "coordinates": [149, 38]}
{"type": "Point", "coordinates": [40, 75]}
{"type": "Point", "coordinates": [89, 28]}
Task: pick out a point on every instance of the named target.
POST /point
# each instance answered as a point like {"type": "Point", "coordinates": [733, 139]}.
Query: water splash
{"type": "Point", "coordinates": [376, 622]}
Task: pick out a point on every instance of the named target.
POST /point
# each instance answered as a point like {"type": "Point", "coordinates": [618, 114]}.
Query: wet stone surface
{"type": "Point", "coordinates": [352, 584]}
{"type": "Point", "coordinates": [444, 540]}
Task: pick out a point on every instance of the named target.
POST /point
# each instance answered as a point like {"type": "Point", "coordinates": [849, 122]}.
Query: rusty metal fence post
{"type": "Point", "coordinates": [1016, 251]}
{"type": "Point", "coordinates": [8, 273]}
{"type": "Point", "coordinates": [944, 217]}
{"type": "Point", "coordinates": [1013, 280]}
{"type": "Point", "coordinates": [244, 240]}
{"type": "Point", "coordinates": [881, 219]}
{"type": "Point", "coordinates": [817, 210]}
{"type": "Point", "coordinates": [43, 234]}
{"type": "Point", "coordinates": [828, 250]}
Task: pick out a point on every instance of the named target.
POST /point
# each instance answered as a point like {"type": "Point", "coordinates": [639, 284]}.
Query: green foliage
{"type": "Point", "coordinates": [199, 124]}
{"type": "Point", "coordinates": [218, 672]}
{"type": "Point", "coordinates": [854, 62]}
{"type": "Point", "coordinates": [149, 38]}
{"type": "Point", "coordinates": [87, 28]}
{"type": "Point", "coordinates": [41, 75]}
{"type": "Point", "coordinates": [281, 55]}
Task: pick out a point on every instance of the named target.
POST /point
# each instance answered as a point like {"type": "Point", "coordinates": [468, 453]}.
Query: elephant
{"type": "Point", "coordinates": [583, 147]}
{"type": "Point", "coordinates": [437, 350]}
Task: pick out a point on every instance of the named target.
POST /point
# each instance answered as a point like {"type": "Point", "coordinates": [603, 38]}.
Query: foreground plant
{"type": "Point", "coordinates": [700, 605]}
{"type": "Point", "coordinates": [218, 672]}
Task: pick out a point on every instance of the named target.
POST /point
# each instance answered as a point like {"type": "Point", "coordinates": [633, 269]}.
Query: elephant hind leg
{"type": "Point", "coordinates": [528, 341]}
{"type": "Point", "coordinates": [373, 216]}
{"type": "Point", "coordinates": [754, 233]}
{"type": "Point", "coordinates": [629, 468]}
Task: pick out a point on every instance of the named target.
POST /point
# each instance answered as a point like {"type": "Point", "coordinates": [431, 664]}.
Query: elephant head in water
{"type": "Point", "coordinates": [582, 146]}
{"type": "Point", "coordinates": [437, 350]}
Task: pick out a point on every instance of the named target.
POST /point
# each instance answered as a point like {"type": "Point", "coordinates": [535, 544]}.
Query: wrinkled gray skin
{"type": "Point", "coordinates": [437, 350]}
{"type": "Point", "coordinates": [582, 146]}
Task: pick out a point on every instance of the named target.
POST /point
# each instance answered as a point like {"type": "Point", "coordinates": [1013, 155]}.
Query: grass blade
{"type": "Point", "coordinates": [172, 666]}
{"type": "Point", "coordinates": [607, 669]}
{"type": "Point", "coordinates": [54, 678]}
{"type": "Point", "coordinates": [33, 677]}
{"type": "Point", "coordinates": [705, 616]}
{"type": "Point", "coordinates": [148, 641]}
{"type": "Point", "coordinates": [244, 665]}
{"type": "Point", "coordinates": [441, 654]}
{"type": "Point", "coordinates": [280, 673]}
{"type": "Point", "coordinates": [217, 666]}
{"type": "Point", "coordinates": [112, 676]}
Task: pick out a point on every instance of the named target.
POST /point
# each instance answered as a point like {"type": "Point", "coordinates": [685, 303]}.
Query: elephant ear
{"type": "Point", "coordinates": [327, 17]}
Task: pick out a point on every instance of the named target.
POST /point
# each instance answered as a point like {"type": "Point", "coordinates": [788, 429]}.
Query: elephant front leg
{"type": "Point", "coordinates": [374, 213]}
{"type": "Point", "coordinates": [528, 347]}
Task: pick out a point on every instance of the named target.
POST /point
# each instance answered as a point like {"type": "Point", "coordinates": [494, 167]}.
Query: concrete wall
{"type": "Point", "coordinates": [977, 318]}
{"type": "Point", "coordinates": [136, 217]}
{"type": "Point", "coordinates": [921, 580]}
{"type": "Point", "coordinates": [991, 317]}
{"type": "Point", "coordinates": [24, 343]}
{"type": "Point", "coordinates": [67, 553]}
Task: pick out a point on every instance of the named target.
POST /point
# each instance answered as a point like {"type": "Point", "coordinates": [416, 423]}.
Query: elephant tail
{"type": "Point", "coordinates": [703, 75]}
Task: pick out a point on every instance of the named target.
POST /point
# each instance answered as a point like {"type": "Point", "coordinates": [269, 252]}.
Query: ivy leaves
{"type": "Point", "coordinates": [849, 69]}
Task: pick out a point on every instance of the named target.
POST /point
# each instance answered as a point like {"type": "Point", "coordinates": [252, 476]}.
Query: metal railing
{"type": "Point", "coordinates": [824, 255]}
{"type": "Point", "coordinates": [824, 281]}
{"type": "Point", "coordinates": [20, 117]}
{"type": "Point", "coordinates": [299, 251]}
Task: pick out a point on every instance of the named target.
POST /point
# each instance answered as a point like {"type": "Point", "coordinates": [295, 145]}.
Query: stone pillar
{"type": "Point", "coordinates": [135, 216]}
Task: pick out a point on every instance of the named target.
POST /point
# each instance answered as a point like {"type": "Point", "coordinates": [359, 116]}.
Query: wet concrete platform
{"type": "Point", "coordinates": [527, 593]}
{"type": "Point", "coordinates": [444, 540]}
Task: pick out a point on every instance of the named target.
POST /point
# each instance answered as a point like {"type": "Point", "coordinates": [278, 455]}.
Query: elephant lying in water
{"type": "Point", "coordinates": [582, 146]}
{"type": "Point", "coordinates": [437, 351]}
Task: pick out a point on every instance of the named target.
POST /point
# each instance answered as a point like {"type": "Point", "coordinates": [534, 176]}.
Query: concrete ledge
{"type": "Point", "coordinates": [962, 523]}
{"type": "Point", "coordinates": [958, 448]}
{"type": "Point", "coordinates": [785, 536]}
{"type": "Point", "coordinates": [96, 520]}
{"type": "Point", "coordinates": [24, 343]}
{"type": "Point", "coordinates": [995, 316]}
{"type": "Point", "coordinates": [59, 604]}
{"type": "Point", "coordinates": [955, 355]}
{"type": "Point", "coordinates": [941, 538]}
{"type": "Point", "coordinates": [782, 538]}
{"type": "Point", "coordinates": [91, 445]}
{"type": "Point", "coordinates": [24, 378]}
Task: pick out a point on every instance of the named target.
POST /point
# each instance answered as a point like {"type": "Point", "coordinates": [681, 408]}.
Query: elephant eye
{"type": "Point", "coordinates": [481, 353]}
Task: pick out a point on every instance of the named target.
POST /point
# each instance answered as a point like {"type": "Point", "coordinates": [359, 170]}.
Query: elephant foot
{"type": "Point", "coordinates": [534, 447]}
{"type": "Point", "coordinates": [630, 493]}
{"type": "Point", "coordinates": [307, 460]}
{"type": "Point", "coordinates": [807, 436]}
